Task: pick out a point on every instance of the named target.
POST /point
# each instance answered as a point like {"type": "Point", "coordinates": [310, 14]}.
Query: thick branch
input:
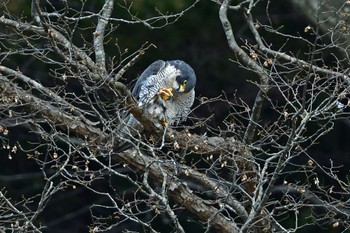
{"type": "Point", "coordinates": [181, 194]}
{"type": "Point", "coordinates": [202, 144]}
{"type": "Point", "coordinates": [218, 188]}
{"type": "Point", "coordinates": [59, 118]}
{"type": "Point", "coordinates": [34, 84]}
{"type": "Point", "coordinates": [99, 36]}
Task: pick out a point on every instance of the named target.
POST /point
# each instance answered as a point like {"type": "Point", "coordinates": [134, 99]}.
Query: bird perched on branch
{"type": "Point", "coordinates": [165, 93]}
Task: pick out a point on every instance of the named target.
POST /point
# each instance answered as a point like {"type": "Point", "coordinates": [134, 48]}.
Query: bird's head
{"type": "Point", "coordinates": [185, 79]}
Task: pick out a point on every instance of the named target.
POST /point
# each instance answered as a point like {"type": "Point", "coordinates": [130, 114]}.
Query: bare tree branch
{"type": "Point", "coordinates": [99, 36]}
{"type": "Point", "coordinates": [252, 65]}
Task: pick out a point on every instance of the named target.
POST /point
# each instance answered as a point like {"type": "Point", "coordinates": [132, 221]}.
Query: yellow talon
{"type": "Point", "coordinates": [165, 93]}
{"type": "Point", "coordinates": [163, 122]}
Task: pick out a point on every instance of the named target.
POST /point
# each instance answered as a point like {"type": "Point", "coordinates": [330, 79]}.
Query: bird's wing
{"type": "Point", "coordinates": [140, 91]}
{"type": "Point", "coordinates": [144, 85]}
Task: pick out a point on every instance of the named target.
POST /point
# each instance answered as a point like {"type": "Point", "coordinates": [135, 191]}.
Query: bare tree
{"type": "Point", "coordinates": [245, 177]}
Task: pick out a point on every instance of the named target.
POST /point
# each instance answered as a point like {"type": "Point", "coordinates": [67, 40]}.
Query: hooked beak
{"type": "Point", "coordinates": [181, 88]}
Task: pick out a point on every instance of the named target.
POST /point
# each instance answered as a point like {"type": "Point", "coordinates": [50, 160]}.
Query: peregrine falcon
{"type": "Point", "coordinates": [165, 93]}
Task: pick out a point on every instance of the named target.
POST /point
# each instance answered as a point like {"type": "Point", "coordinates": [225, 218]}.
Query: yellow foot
{"type": "Point", "coordinates": [165, 93]}
{"type": "Point", "coordinates": [163, 122]}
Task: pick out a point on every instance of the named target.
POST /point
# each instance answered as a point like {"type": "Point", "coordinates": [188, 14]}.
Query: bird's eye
{"type": "Point", "coordinates": [185, 82]}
